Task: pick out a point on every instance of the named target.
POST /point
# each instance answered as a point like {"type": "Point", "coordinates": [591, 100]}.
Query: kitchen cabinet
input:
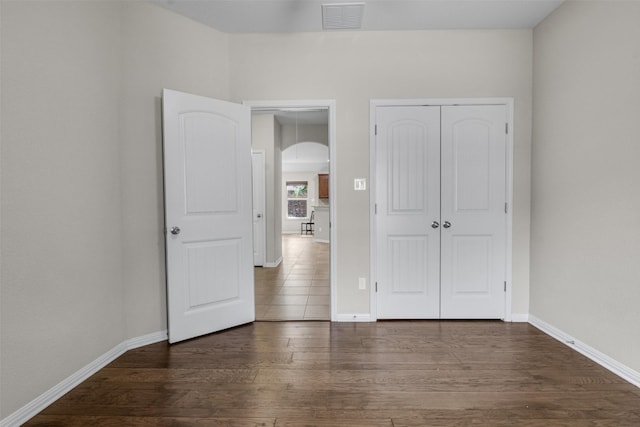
{"type": "Point", "coordinates": [323, 186]}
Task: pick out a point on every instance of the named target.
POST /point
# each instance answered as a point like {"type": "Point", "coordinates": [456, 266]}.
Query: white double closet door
{"type": "Point", "coordinates": [440, 222]}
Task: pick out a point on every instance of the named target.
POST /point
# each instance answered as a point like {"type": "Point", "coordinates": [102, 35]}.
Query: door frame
{"type": "Point", "coordinates": [373, 104]}
{"type": "Point", "coordinates": [330, 106]}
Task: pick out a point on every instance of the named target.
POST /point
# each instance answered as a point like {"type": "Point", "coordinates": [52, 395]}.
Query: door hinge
{"type": "Point", "coordinates": [506, 128]}
{"type": "Point", "coordinates": [375, 209]}
{"type": "Point", "coordinates": [505, 286]}
{"type": "Point", "coordinates": [376, 286]}
{"type": "Point", "coordinates": [506, 207]}
{"type": "Point", "coordinates": [375, 131]}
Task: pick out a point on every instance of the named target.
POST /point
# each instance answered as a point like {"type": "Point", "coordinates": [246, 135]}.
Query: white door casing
{"type": "Point", "coordinates": [408, 203]}
{"type": "Point", "coordinates": [259, 210]}
{"type": "Point", "coordinates": [473, 194]}
{"type": "Point", "coordinates": [472, 238]}
{"type": "Point", "coordinates": [207, 170]}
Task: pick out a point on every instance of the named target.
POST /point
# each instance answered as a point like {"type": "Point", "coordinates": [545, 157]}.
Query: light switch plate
{"type": "Point", "coordinates": [360, 184]}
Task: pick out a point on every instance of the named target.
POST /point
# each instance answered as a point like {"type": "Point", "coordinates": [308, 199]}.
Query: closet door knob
{"type": "Point", "coordinates": [435, 224]}
{"type": "Point", "coordinates": [446, 224]}
{"type": "Point", "coordinates": [175, 230]}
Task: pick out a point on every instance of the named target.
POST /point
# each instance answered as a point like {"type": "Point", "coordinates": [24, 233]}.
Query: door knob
{"type": "Point", "coordinates": [446, 224]}
{"type": "Point", "coordinates": [259, 215]}
{"type": "Point", "coordinates": [435, 224]}
{"type": "Point", "coordinates": [175, 230]}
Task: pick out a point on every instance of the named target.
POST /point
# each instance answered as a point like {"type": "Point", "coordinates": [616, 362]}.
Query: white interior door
{"type": "Point", "coordinates": [473, 246]}
{"type": "Point", "coordinates": [208, 209]}
{"type": "Point", "coordinates": [259, 190]}
{"type": "Point", "coordinates": [408, 210]}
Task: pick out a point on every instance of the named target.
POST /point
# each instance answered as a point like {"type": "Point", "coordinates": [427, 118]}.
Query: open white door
{"type": "Point", "coordinates": [208, 203]}
{"type": "Point", "coordinates": [259, 202]}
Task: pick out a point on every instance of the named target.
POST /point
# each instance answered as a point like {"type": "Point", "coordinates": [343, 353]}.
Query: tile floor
{"type": "Point", "coordinates": [298, 289]}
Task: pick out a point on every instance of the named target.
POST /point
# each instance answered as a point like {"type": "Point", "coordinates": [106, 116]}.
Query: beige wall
{"type": "Point", "coordinates": [61, 208]}
{"type": "Point", "coordinates": [160, 50]}
{"type": "Point", "coordinates": [585, 246]}
{"type": "Point", "coordinates": [82, 209]}
{"type": "Point", "coordinates": [355, 67]}
{"type": "Point", "coordinates": [277, 195]}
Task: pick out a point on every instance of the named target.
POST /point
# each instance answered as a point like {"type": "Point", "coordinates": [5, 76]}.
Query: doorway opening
{"type": "Point", "coordinates": [295, 280]}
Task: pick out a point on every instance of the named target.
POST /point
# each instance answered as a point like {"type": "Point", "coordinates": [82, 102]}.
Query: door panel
{"type": "Point", "coordinates": [473, 248]}
{"type": "Point", "coordinates": [408, 201]}
{"type": "Point", "coordinates": [471, 165]}
{"type": "Point", "coordinates": [208, 142]}
{"type": "Point", "coordinates": [470, 264]}
{"type": "Point", "coordinates": [207, 166]}
{"type": "Point", "coordinates": [409, 262]}
{"type": "Point", "coordinates": [208, 261]}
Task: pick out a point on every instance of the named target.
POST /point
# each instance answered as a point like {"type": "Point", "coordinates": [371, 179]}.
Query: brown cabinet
{"type": "Point", "coordinates": [323, 186]}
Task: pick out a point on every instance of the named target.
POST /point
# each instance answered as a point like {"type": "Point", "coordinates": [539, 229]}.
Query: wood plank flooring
{"type": "Point", "coordinates": [399, 373]}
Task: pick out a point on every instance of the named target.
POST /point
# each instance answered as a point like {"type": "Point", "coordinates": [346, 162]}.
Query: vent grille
{"type": "Point", "coordinates": [342, 16]}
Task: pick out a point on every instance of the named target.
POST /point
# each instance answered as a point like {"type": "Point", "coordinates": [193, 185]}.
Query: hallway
{"type": "Point", "coordinates": [298, 289]}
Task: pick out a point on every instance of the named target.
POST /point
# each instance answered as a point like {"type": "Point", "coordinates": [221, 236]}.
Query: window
{"type": "Point", "coordinates": [297, 199]}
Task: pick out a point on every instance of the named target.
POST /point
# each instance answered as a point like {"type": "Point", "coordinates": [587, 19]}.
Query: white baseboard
{"type": "Point", "coordinates": [519, 317]}
{"type": "Point", "coordinates": [353, 317]}
{"type": "Point", "coordinates": [600, 358]}
{"type": "Point", "coordinates": [273, 264]}
{"type": "Point", "coordinates": [38, 404]}
{"type": "Point", "coordinates": [366, 317]}
{"type": "Point", "coordinates": [321, 240]}
{"type": "Point", "coordinates": [151, 338]}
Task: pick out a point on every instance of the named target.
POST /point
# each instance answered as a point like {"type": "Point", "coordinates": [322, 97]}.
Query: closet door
{"type": "Point", "coordinates": [408, 212]}
{"type": "Point", "coordinates": [473, 240]}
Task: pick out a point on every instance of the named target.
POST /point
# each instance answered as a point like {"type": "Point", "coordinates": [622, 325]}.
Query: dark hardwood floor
{"type": "Point", "coordinates": [400, 373]}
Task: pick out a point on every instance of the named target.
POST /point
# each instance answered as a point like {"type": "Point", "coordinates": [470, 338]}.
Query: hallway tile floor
{"type": "Point", "coordinates": [298, 289]}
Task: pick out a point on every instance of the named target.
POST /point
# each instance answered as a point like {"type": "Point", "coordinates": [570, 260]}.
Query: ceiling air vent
{"type": "Point", "coordinates": [342, 16]}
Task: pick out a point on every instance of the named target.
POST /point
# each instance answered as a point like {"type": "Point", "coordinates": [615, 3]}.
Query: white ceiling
{"type": "Point", "coordinates": [287, 16]}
